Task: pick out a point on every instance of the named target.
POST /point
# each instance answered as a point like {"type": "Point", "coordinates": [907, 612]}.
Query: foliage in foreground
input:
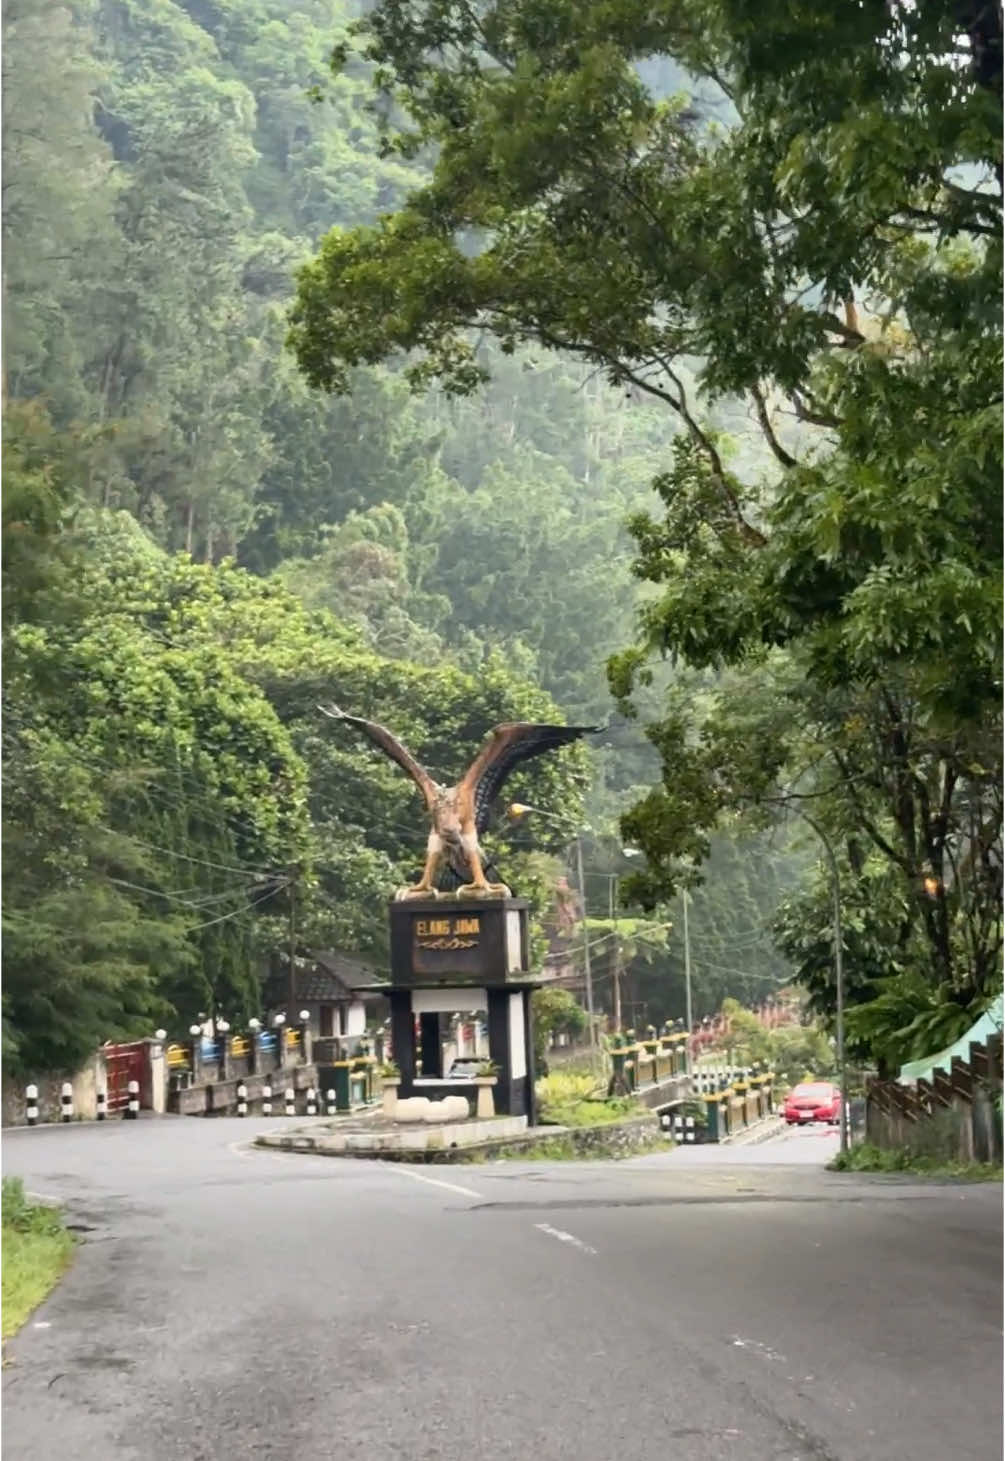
{"type": "Point", "coordinates": [579, 1100]}
{"type": "Point", "coordinates": [868, 1158]}
{"type": "Point", "coordinates": [36, 1251]}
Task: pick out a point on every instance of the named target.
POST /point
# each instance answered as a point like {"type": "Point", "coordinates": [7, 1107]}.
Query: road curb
{"type": "Point", "coordinates": [753, 1137]}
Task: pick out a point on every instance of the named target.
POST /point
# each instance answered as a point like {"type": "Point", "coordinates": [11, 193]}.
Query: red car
{"type": "Point", "coordinates": [814, 1101]}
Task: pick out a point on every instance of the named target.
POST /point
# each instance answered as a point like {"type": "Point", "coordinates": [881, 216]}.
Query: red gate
{"type": "Point", "coordinates": [124, 1063]}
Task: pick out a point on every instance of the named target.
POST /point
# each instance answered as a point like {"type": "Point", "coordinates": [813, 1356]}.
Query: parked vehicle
{"type": "Point", "coordinates": [466, 1067]}
{"type": "Point", "coordinates": [813, 1101]}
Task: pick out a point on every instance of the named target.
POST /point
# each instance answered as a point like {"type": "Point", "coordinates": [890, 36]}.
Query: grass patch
{"type": "Point", "coordinates": [867, 1158]}
{"type": "Point", "coordinates": [564, 1149]}
{"type": "Point", "coordinates": [567, 1098]}
{"type": "Point", "coordinates": [36, 1251]}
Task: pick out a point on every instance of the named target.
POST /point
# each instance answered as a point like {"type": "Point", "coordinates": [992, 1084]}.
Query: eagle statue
{"type": "Point", "coordinates": [459, 814]}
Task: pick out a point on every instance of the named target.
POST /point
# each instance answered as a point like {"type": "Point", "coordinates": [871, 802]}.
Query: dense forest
{"type": "Point", "coordinates": [439, 508]}
{"type": "Point", "coordinates": [198, 545]}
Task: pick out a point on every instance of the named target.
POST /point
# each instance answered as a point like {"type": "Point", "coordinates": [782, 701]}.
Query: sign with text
{"type": "Point", "coordinates": [447, 933]}
{"type": "Point", "coordinates": [452, 942]}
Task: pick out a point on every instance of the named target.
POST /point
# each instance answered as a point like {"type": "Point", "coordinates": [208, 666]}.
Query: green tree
{"type": "Point", "coordinates": [59, 197]}
{"type": "Point", "coordinates": [831, 255]}
{"type": "Point", "coordinates": [555, 1012]}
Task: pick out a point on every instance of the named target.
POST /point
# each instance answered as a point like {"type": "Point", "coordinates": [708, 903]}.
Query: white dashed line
{"type": "Point", "coordinates": [564, 1237]}
{"type": "Point", "coordinates": [433, 1181]}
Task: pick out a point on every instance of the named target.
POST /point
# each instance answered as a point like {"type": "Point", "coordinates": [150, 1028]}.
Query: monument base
{"type": "Point", "coordinates": [460, 956]}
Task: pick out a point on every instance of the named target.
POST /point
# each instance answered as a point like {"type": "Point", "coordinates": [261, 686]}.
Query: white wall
{"type": "Point", "coordinates": [517, 1037]}
{"type": "Point", "coordinates": [445, 1001]}
{"type": "Point", "coordinates": [356, 1018]}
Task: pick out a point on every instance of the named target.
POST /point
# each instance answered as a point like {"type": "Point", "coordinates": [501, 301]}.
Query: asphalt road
{"type": "Point", "coordinates": [230, 1305]}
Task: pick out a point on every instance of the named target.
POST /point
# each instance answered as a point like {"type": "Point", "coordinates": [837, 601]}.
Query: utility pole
{"type": "Point", "coordinates": [612, 878]}
{"type": "Point", "coordinates": [586, 944]}
{"type": "Point", "coordinates": [291, 992]}
{"type": "Point", "coordinates": [689, 1014]}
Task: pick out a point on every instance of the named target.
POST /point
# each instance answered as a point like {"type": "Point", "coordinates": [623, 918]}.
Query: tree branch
{"type": "Point", "coordinates": [778, 450]}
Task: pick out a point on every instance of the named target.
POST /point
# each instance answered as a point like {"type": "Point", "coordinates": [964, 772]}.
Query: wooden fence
{"type": "Point", "coordinates": [955, 1116]}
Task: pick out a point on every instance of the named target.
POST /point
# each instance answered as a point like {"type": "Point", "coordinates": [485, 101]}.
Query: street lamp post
{"type": "Point", "coordinates": [612, 879]}
{"type": "Point", "coordinates": [587, 967]}
{"type": "Point", "coordinates": [688, 1012]}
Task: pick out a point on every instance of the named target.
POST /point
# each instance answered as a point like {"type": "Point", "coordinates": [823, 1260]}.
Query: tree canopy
{"type": "Point", "coordinates": [752, 256]}
{"type": "Point", "coordinates": [805, 235]}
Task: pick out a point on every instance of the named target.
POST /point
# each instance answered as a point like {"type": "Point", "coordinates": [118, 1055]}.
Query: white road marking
{"type": "Point", "coordinates": [564, 1237]}
{"type": "Point", "coordinates": [433, 1181]}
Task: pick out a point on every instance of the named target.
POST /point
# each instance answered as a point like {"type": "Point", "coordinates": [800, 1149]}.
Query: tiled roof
{"type": "Point", "coordinates": [330, 978]}
{"type": "Point", "coordinates": [354, 972]}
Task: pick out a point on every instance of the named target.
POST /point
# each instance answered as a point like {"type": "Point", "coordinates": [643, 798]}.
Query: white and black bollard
{"type": "Point", "coordinates": [291, 1108]}
{"type": "Point", "coordinates": [242, 1100]}
{"type": "Point", "coordinates": [31, 1105]}
{"type": "Point", "coordinates": [266, 1100]}
{"type": "Point", "coordinates": [312, 1101]}
{"type": "Point", "coordinates": [133, 1108]}
{"type": "Point", "coordinates": [101, 1097]}
{"type": "Point", "coordinates": [330, 1102]}
{"type": "Point", "coordinates": [66, 1102]}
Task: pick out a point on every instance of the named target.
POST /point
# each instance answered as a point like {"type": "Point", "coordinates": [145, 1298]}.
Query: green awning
{"type": "Point", "coordinates": [990, 1023]}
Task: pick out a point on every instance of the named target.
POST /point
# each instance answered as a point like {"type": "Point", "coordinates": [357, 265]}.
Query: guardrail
{"type": "Point", "coordinates": [639, 1064]}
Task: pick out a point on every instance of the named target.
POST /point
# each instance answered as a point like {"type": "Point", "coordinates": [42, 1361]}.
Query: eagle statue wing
{"type": "Point", "coordinates": [504, 750]}
{"type": "Point", "coordinates": [390, 745]}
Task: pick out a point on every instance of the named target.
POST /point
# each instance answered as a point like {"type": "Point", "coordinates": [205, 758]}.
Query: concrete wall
{"type": "Point", "coordinates": [86, 1082]}
{"type": "Point", "coordinates": [220, 1097]}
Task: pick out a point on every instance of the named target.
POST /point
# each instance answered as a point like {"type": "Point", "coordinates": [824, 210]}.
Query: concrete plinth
{"type": "Point", "coordinates": [380, 1137]}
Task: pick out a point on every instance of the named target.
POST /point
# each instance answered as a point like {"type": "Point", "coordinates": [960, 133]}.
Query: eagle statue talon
{"type": "Point", "coordinates": [483, 890]}
{"type": "Point", "coordinates": [459, 814]}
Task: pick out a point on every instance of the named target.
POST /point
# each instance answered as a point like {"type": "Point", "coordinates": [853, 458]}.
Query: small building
{"type": "Point", "coordinates": [339, 992]}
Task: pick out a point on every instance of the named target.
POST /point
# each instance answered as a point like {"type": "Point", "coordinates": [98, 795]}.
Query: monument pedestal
{"type": "Point", "coordinates": [463, 955]}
